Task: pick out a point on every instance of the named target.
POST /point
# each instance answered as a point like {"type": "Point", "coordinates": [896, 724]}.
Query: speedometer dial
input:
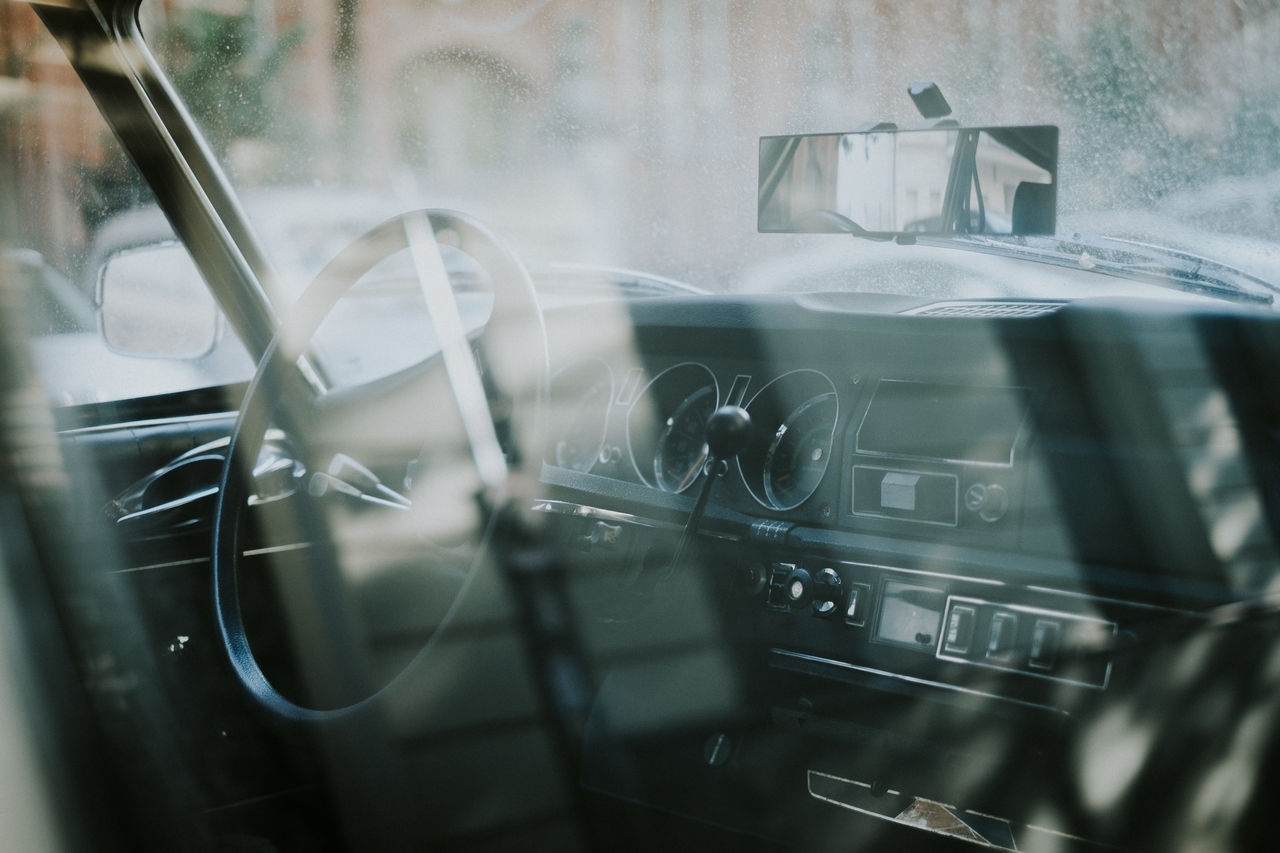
{"type": "Point", "coordinates": [580, 399]}
{"type": "Point", "coordinates": [667, 425]}
{"type": "Point", "coordinates": [797, 458]}
{"type": "Point", "coordinates": [795, 417]}
{"type": "Point", "coordinates": [682, 445]}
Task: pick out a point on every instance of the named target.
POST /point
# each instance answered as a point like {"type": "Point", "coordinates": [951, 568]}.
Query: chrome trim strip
{"type": "Point", "coordinates": [584, 511]}
{"type": "Point", "coordinates": [1043, 590]}
{"type": "Point", "coordinates": [167, 506]}
{"type": "Point", "coordinates": [922, 572]}
{"type": "Point", "coordinates": [911, 679]}
{"type": "Point", "coordinates": [195, 561]}
{"type": "Point", "coordinates": [156, 422]}
{"type": "Point", "coordinates": [1137, 605]}
{"type": "Point", "coordinates": [275, 549]}
{"type": "Point", "coordinates": [555, 507]}
{"type": "Point", "coordinates": [1016, 831]}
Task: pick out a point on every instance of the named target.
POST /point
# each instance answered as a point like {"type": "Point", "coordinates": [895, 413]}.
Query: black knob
{"type": "Point", "coordinates": [827, 592]}
{"type": "Point", "coordinates": [799, 588]}
{"type": "Point", "coordinates": [728, 429]}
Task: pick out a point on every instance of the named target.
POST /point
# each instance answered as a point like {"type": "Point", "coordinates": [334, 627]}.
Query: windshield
{"type": "Point", "coordinates": [514, 424]}
{"type": "Point", "coordinates": [626, 134]}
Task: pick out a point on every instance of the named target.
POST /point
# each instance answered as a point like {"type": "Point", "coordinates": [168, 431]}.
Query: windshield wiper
{"type": "Point", "coordinates": [1158, 265]}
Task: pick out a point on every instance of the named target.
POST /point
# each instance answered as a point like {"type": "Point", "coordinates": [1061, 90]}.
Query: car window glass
{"type": "Point", "coordinates": [625, 132]}
{"type": "Point", "coordinates": [70, 199]}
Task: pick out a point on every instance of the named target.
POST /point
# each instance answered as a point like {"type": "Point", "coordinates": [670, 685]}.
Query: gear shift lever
{"type": "Point", "coordinates": [728, 429]}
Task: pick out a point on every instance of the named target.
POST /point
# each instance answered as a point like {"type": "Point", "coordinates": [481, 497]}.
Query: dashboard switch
{"type": "Point", "coordinates": [828, 592]}
{"type": "Point", "coordinates": [851, 607]}
{"type": "Point", "coordinates": [799, 588]}
{"type": "Point", "coordinates": [898, 491]}
{"type": "Point", "coordinates": [989, 502]}
{"type": "Point", "coordinates": [856, 604]}
{"type": "Point", "coordinates": [960, 627]}
{"type": "Point", "coordinates": [778, 575]}
{"type": "Point", "coordinates": [1000, 640]}
{"type": "Point", "coordinates": [1045, 639]}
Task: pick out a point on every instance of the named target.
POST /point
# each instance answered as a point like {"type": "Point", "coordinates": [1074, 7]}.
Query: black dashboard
{"type": "Point", "coordinates": [959, 538]}
{"type": "Point", "coordinates": [992, 510]}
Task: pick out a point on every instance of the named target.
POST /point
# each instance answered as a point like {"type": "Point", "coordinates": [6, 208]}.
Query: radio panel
{"type": "Point", "coordinates": [922, 625]}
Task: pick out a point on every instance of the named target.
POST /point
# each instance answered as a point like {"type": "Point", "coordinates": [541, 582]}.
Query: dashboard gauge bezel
{"type": "Point", "coordinates": [788, 428]}
{"type": "Point", "coordinates": [778, 403]}
{"type": "Point", "coordinates": [585, 367]}
{"type": "Point", "coordinates": [650, 413]}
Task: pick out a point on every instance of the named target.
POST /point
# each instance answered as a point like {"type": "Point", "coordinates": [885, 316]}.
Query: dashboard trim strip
{"type": "Point", "coordinates": [910, 679]}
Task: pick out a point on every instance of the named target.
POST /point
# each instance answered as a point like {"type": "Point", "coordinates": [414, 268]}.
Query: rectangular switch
{"type": "Point", "coordinates": [898, 491]}
{"type": "Point", "coordinates": [959, 635]}
{"type": "Point", "coordinates": [1000, 641]}
{"type": "Point", "coordinates": [1045, 637]}
{"type": "Point", "coordinates": [856, 604]}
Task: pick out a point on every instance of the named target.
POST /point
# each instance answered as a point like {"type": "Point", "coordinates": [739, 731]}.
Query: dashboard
{"type": "Point", "coordinates": [961, 540]}
{"type": "Point", "coordinates": [988, 508]}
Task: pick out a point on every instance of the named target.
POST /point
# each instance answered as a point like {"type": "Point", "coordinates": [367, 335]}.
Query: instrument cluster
{"type": "Point", "coordinates": [654, 431]}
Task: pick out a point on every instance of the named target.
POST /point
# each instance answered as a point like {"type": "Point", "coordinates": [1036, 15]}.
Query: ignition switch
{"type": "Point", "coordinates": [827, 593]}
{"type": "Point", "coordinates": [799, 588]}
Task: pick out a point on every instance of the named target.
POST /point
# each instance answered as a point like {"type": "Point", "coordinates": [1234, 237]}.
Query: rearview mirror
{"type": "Point", "coordinates": [153, 303]}
{"type": "Point", "coordinates": [896, 183]}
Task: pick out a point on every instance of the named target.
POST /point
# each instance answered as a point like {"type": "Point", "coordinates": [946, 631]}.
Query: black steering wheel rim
{"type": "Point", "coordinates": [514, 301]}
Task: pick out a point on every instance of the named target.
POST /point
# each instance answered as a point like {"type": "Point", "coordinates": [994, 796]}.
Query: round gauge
{"type": "Point", "coordinates": [795, 421]}
{"type": "Point", "coordinates": [580, 398]}
{"type": "Point", "coordinates": [797, 458]}
{"type": "Point", "coordinates": [682, 444]}
{"type": "Point", "coordinates": [666, 426]}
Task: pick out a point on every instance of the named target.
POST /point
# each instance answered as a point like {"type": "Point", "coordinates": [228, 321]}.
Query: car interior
{"type": "Point", "coordinates": [611, 562]}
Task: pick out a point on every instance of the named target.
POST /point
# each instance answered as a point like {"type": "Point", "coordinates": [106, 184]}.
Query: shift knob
{"type": "Point", "coordinates": [728, 429]}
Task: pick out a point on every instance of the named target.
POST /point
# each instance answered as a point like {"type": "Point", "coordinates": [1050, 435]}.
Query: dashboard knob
{"type": "Point", "coordinates": [799, 588]}
{"type": "Point", "coordinates": [728, 429]}
{"type": "Point", "coordinates": [989, 502]}
{"type": "Point", "coordinates": [827, 593]}
{"type": "Point", "coordinates": [753, 579]}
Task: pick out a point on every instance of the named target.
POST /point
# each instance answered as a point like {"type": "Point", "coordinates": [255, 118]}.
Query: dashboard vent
{"type": "Point", "coordinates": [986, 309]}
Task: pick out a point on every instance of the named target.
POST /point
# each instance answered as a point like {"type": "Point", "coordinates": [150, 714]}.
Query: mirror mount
{"type": "Point", "coordinates": [928, 99]}
{"type": "Point", "coordinates": [961, 185]}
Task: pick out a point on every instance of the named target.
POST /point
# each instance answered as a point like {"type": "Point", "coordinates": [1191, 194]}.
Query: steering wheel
{"type": "Point", "coordinates": [510, 355]}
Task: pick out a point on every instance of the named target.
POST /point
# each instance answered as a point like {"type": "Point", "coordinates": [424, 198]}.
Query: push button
{"type": "Point", "coordinates": [856, 604]}
{"type": "Point", "coordinates": [1004, 628]}
{"type": "Point", "coordinates": [827, 593]}
{"type": "Point", "coordinates": [778, 575]}
{"type": "Point", "coordinates": [799, 587]}
{"type": "Point", "coordinates": [960, 627]}
{"type": "Point", "coordinates": [1045, 640]}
